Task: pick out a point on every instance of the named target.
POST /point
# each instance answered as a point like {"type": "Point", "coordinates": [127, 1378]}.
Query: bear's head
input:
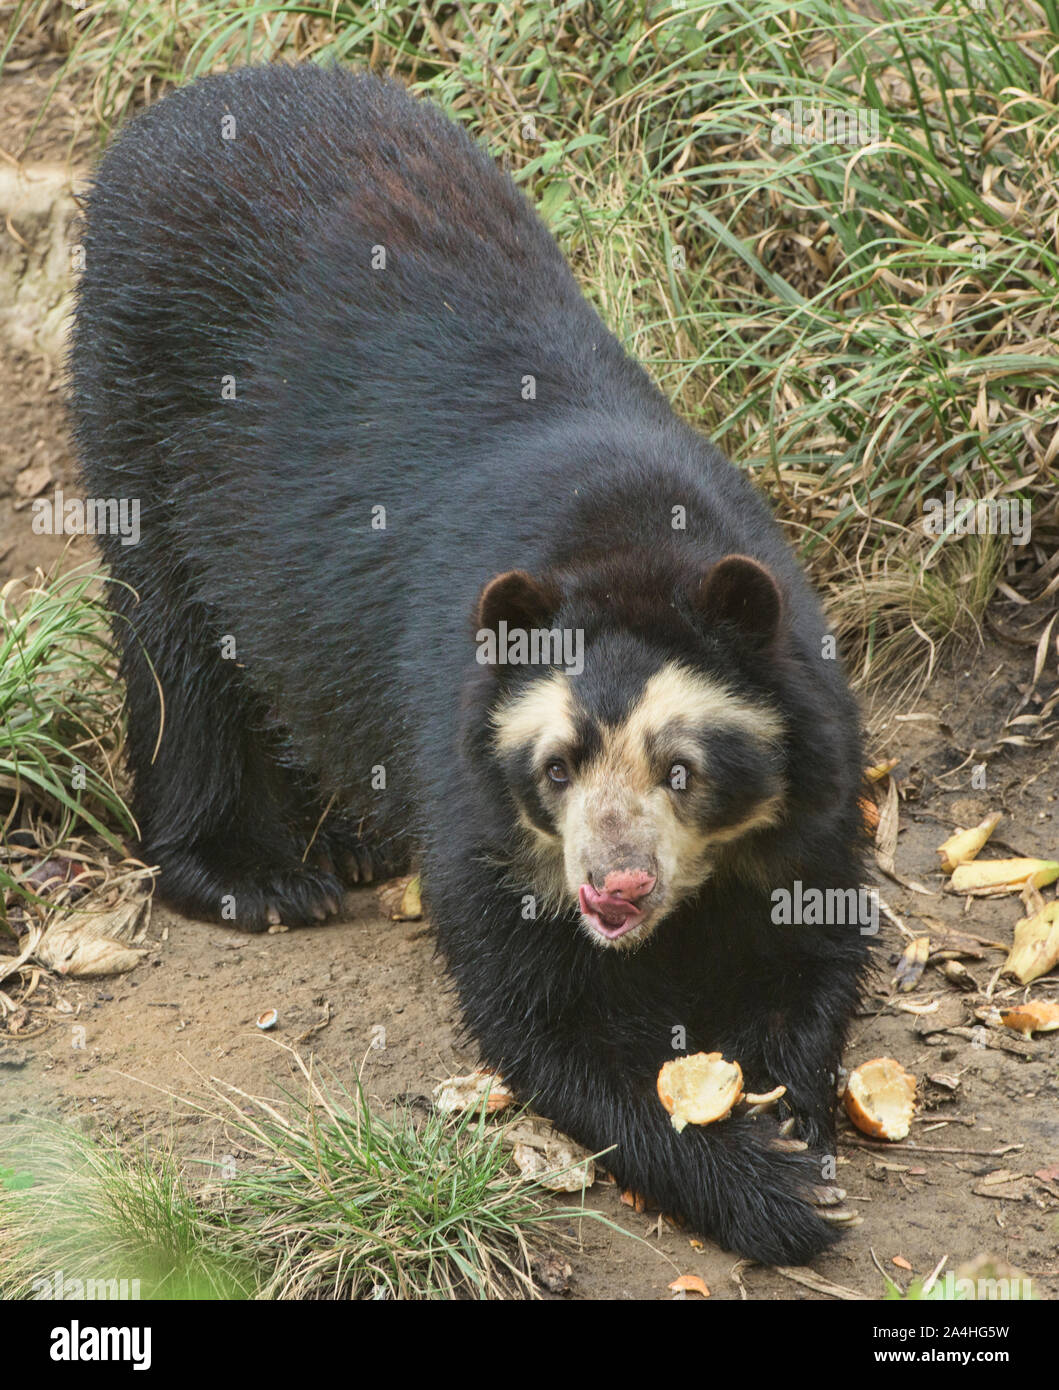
{"type": "Point", "coordinates": [638, 748]}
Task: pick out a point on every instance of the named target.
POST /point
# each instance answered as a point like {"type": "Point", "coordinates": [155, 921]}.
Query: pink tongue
{"type": "Point", "coordinates": [613, 910]}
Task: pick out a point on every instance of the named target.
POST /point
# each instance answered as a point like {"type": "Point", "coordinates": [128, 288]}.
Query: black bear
{"type": "Point", "coordinates": [429, 568]}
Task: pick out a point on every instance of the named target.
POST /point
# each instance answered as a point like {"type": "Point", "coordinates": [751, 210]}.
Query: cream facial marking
{"type": "Point", "coordinates": [678, 695]}
{"type": "Point", "coordinates": [545, 711]}
{"type": "Point", "coordinates": [627, 846]}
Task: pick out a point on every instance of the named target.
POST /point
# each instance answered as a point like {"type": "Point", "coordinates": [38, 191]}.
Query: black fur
{"type": "Point", "coordinates": [403, 387]}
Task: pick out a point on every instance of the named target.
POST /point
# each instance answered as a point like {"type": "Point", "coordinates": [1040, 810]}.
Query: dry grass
{"type": "Point", "coordinates": [61, 813]}
{"type": "Point", "coordinates": [864, 328]}
{"type": "Point", "coordinates": [328, 1200]}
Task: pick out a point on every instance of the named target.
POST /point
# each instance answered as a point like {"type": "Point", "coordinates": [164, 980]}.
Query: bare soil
{"type": "Point", "coordinates": [188, 1010]}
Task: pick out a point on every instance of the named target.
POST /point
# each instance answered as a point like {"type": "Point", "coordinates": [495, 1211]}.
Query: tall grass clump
{"type": "Point", "coordinates": [830, 231]}
{"type": "Point", "coordinates": [332, 1201]}
{"type": "Point", "coordinates": [60, 727]}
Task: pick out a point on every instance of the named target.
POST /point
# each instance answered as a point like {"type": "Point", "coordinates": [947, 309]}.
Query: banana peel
{"type": "Point", "coordinates": [401, 899]}
{"type": "Point", "coordinates": [965, 845]}
{"type": "Point", "coordinates": [411, 908]}
{"type": "Point", "coordinates": [1035, 949]}
{"type": "Point", "coordinates": [912, 963]}
{"type": "Point", "coordinates": [878, 771]}
{"type": "Point", "coordinates": [1003, 875]}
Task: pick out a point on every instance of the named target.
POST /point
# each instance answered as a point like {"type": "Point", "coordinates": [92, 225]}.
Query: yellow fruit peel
{"type": "Point", "coordinates": [1035, 949]}
{"type": "Point", "coordinates": [965, 845]}
{"type": "Point", "coordinates": [878, 771]}
{"type": "Point", "coordinates": [1003, 875]}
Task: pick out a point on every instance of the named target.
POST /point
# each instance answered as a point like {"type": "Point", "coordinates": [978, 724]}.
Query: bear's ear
{"type": "Point", "coordinates": [740, 591]}
{"type": "Point", "coordinates": [517, 599]}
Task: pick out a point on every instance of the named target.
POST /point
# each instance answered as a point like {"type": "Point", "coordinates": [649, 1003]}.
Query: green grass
{"type": "Point", "coordinates": [333, 1202]}
{"type": "Point", "coordinates": [59, 712]}
{"type": "Point", "coordinates": [863, 329]}
{"type": "Point", "coordinates": [1017, 1289]}
{"type": "Point", "coordinates": [90, 1210]}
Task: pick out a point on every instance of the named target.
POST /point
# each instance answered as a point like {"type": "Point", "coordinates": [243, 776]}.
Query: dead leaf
{"type": "Point", "coordinates": [96, 943]}
{"type": "Point", "coordinates": [546, 1156]}
{"type": "Point", "coordinates": [401, 899]}
{"type": "Point", "coordinates": [912, 963]}
{"type": "Point", "coordinates": [886, 831]}
{"type": "Point", "coordinates": [949, 1014]}
{"type": "Point", "coordinates": [998, 1175]}
{"type": "Point", "coordinates": [886, 842]}
{"type": "Point", "coordinates": [945, 937]}
{"type": "Point", "coordinates": [52, 874]}
{"type": "Point", "coordinates": [983, 1037]}
{"type": "Point", "coordinates": [1035, 1016]}
{"type": "Point", "coordinates": [945, 1081]}
{"type": "Point", "coordinates": [1004, 1186]}
{"type": "Point", "coordinates": [690, 1283]}
{"type": "Point", "coordinates": [30, 481]}
{"type": "Point", "coordinates": [461, 1093]}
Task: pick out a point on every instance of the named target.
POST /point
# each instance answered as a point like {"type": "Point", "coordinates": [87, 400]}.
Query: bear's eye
{"type": "Point", "coordinates": [557, 772]}
{"type": "Point", "coordinates": [678, 777]}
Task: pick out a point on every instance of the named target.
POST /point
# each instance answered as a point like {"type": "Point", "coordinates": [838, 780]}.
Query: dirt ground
{"type": "Point", "coordinates": [188, 1010]}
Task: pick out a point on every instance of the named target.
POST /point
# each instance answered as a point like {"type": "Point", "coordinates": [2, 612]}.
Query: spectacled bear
{"type": "Point", "coordinates": [430, 571]}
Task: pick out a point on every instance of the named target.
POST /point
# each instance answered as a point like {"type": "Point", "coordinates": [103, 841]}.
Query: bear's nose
{"type": "Point", "coordinates": [629, 884]}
